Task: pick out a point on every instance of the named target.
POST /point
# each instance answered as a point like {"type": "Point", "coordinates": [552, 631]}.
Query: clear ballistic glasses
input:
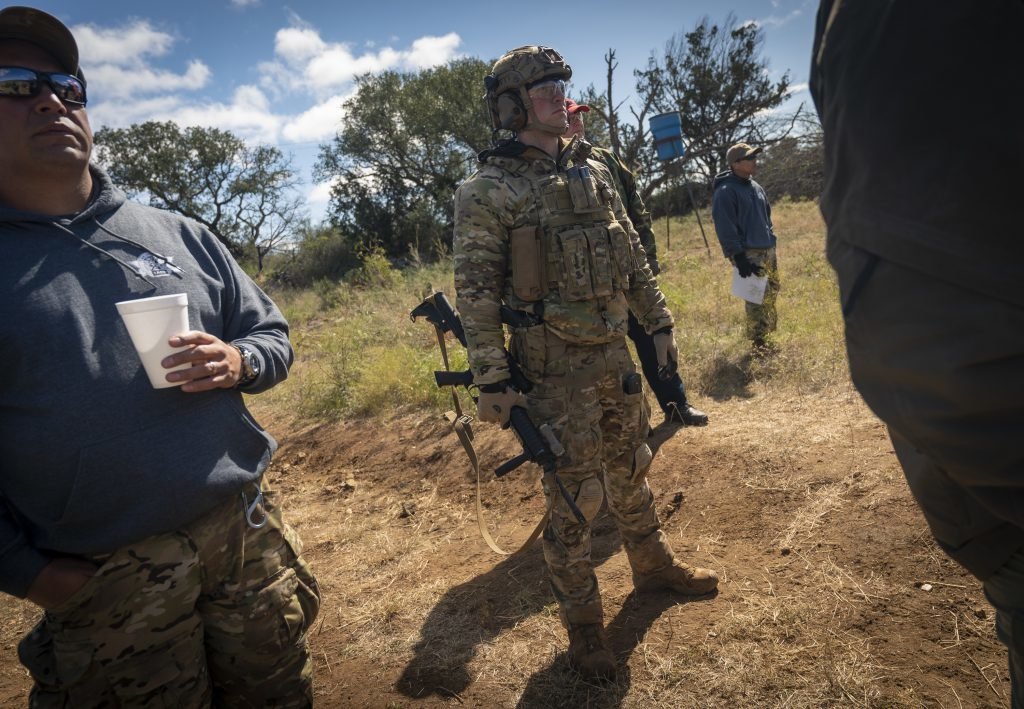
{"type": "Point", "coordinates": [19, 82]}
{"type": "Point", "coordinates": [552, 90]}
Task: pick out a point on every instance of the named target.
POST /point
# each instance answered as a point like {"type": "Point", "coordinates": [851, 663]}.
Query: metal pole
{"type": "Point", "coordinates": [696, 210]}
{"type": "Point", "coordinates": [668, 224]}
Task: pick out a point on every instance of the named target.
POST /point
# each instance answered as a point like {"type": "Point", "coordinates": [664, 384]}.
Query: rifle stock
{"type": "Point", "coordinates": [539, 444]}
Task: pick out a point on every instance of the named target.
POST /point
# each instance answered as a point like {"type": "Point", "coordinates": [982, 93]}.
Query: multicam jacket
{"type": "Point", "coordinates": [639, 215]}
{"type": "Point", "coordinates": [548, 237]}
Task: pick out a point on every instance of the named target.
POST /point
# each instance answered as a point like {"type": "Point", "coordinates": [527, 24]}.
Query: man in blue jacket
{"type": "Point", "coordinates": [133, 516]}
{"type": "Point", "coordinates": [743, 222]}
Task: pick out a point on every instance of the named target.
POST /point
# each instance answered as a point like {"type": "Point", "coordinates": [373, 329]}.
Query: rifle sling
{"type": "Point", "coordinates": [460, 424]}
{"type": "Point", "coordinates": [447, 367]}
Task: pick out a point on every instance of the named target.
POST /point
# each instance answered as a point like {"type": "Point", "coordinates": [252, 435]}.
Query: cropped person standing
{"type": "Point", "coordinates": [540, 228]}
{"type": "Point", "coordinates": [132, 516]}
{"type": "Point", "coordinates": [921, 138]}
{"type": "Point", "coordinates": [670, 392]}
{"type": "Point", "coordinates": [743, 222]}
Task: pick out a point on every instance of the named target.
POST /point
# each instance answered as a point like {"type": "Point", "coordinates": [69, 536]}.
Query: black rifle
{"type": "Point", "coordinates": [438, 311]}
{"type": "Point", "coordinates": [540, 445]}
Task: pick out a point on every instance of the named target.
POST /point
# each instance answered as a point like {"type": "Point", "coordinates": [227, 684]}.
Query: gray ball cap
{"type": "Point", "coordinates": [43, 30]}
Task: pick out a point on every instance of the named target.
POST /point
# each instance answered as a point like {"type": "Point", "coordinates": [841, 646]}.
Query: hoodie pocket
{"type": "Point", "coordinates": [161, 476]}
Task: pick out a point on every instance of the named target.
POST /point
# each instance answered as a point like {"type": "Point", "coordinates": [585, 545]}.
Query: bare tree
{"type": "Point", "coordinates": [717, 80]}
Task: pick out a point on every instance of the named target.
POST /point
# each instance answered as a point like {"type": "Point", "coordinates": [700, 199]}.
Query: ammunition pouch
{"type": "Point", "coordinates": [593, 262]}
{"type": "Point", "coordinates": [528, 347]}
{"type": "Point", "coordinates": [528, 256]}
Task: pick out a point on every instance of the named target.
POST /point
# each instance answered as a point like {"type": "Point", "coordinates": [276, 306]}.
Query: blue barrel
{"type": "Point", "coordinates": [667, 129]}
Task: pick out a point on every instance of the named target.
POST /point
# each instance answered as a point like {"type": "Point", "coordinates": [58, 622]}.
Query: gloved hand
{"type": "Point", "coordinates": [495, 406]}
{"type": "Point", "coordinates": [655, 266]}
{"type": "Point", "coordinates": [668, 355]}
{"type": "Point", "coordinates": [745, 266]}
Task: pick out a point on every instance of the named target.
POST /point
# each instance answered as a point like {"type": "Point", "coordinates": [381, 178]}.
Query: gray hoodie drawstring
{"type": "Point", "coordinates": [177, 270]}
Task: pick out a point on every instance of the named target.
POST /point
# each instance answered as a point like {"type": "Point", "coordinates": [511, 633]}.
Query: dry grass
{"type": "Point", "coordinates": [792, 494]}
{"type": "Point", "coordinates": [794, 498]}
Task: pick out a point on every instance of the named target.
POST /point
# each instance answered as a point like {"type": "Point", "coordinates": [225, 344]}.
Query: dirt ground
{"type": "Point", "coordinates": [832, 590]}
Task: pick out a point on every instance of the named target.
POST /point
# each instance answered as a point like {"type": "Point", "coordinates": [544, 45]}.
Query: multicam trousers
{"type": "Point", "coordinates": [762, 319]}
{"type": "Point", "coordinates": [212, 615]}
{"type": "Point", "coordinates": [592, 396]}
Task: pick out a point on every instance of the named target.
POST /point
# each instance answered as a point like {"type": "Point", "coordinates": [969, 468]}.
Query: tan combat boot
{"type": "Point", "coordinates": [589, 651]}
{"type": "Point", "coordinates": [655, 568]}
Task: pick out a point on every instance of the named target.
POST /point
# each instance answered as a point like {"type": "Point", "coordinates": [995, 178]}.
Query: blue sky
{"type": "Point", "coordinates": [277, 73]}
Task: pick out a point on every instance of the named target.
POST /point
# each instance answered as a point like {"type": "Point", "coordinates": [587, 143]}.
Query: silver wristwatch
{"type": "Point", "coordinates": [250, 366]}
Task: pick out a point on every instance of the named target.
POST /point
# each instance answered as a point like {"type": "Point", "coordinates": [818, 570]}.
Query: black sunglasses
{"type": "Point", "coordinates": [19, 82]}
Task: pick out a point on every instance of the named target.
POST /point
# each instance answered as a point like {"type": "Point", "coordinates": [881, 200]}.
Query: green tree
{"type": "Point", "coordinates": [717, 79]}
{"type": "Point", "coordinates": [319, 253]}
{"type": "Point", "coordinates": [407, 141]}
{"type": "Point", "coordinates": [245, 195]}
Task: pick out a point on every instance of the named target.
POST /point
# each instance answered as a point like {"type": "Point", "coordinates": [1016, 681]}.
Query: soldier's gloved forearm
{"type": "Point", "coordinates": [668, 355]}
{"type": "Point", "coordinates": [495, 402]}
{"type": "Point", "coordinates": [652, 261]}
{"type": "Point", "coordinates": [745, 266]}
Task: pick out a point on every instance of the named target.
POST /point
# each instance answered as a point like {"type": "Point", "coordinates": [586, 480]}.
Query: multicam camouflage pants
{"type": "Point", "coordinates": [212, 615]}
{"type": "Point", "coordinates": [592, 397]}
{"type": "Point", "coordinates": [762, 319]}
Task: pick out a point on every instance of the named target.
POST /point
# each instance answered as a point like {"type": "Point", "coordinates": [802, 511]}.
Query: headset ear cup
{"type": "Point", "coordinates": [511, 112]}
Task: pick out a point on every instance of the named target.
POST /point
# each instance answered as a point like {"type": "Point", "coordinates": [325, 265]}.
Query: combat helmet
{"type": "Point", "coordinates": [512, 76]}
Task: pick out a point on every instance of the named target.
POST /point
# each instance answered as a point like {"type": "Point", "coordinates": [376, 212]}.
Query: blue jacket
{"type": "Point", "coordinates": [743, 217]}
{"type": "Point", "coordinates": [91, 456]}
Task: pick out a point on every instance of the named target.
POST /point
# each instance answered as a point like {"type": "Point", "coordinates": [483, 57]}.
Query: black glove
{"type": "Point", "coordinates": [745, 267]}
{"type": "Point", "coordinates": [653, 263]}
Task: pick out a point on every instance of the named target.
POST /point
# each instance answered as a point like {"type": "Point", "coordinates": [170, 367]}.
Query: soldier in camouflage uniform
{"type": "Point", "coordinates": [132, 515]}
{"type": "Point", "coordinates": [540, 228]}
{"type": "Point", "coordinates": [670, 392]}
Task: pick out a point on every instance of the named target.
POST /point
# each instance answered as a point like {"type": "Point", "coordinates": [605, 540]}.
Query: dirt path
{"type": "Point", "coordinates": [796, 500]}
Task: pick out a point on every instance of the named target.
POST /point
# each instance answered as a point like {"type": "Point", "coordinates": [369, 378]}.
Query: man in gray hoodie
{"type": "Point", "coordinates": [133, 516]}
{"type": "Point", "coordinates": [743, 222]}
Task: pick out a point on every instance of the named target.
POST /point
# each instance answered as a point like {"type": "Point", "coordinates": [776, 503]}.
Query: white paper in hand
{"type": "Point", "coordinates": [751, 288]}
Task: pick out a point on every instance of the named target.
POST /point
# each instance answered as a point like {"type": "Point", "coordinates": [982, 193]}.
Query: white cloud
{"type": "Point", "coordinates": [431, 51]}
{"type": "Point", "coordinates": [798, 88]}
{"type": "Point", "coordinates": [118, 62]}
{"type": "Point", "coordinates": [245, 3]}
{"type": "Point", "coordinates": [123, 113]}
{"type": "Point", "coordinates": [337, 66]}
{"type": "Point", "coordinates": [113, 81]}
{"type": "Point", "coordinates": [320, 193]}
{"type": "Point", "coordinates": [318, 123]}
{"type": "Point", "coordinates": [298, 99]}
{"type": "Point", "coordinates": [305, 62]}
{"type": "Point", "coordinates": [125, 45]}
{"type": "Point", "coordinates": [297, 45]}
{"type": "Point", "coordinates": [776, 20]}
{"type": "Point", "coordinates": [248, 116]}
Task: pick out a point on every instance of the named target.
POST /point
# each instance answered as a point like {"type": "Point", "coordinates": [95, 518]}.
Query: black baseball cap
{"type": "Point", "coordinates": [43, 30]}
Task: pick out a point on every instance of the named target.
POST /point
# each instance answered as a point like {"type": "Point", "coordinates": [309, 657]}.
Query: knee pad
{"type": "Point", "coordinates": [642, 458]}
{"type": "Point", "coordinates": [589, 497]}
